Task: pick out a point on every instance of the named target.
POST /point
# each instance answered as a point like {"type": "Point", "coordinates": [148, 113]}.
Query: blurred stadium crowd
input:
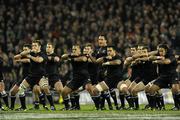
{"type": "Point", "coordinates": [66, 22]}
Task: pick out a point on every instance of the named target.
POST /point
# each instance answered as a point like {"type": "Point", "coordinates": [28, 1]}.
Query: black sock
{"type": "Point", "coordinates": [107, 97]}
{"type": "Point", "coordinates": [152, 101]}
{"type": "Point", "coordinates": [147, 95]}
{"type": "Point", "coordinates": [176, 100]}
{"type": "Point", "coordinates": [130, 100]}
{"type": "Point", "coordinates": [72, 99]}
{"type": "Point", "coordinates": [23, 101]}
{"type": "Point", "coordinates": [36, 104]}
{"type": "Point", "coordinates": [96, 101]}
{"type": "Point", "coordinates": [136, 102]}
{"type": "Point", "coordinates": [77, 96]}
{"type": "Point", "coordinates": [158, 104]}
{"type": "Point", "coordinates": [161, 100]}
{"type": "Point", "coordinates": [13, 99]}
{"type": "Point", "coordinates": [113, 95]}
{"type": "Point", "coordinates": [50, 99]}
{"type": "Point", "coordinates": [42, 99]}
{"type": "Point", "coordinates": [66, 103]}
{"type": "Point", "coordinates": [102, 100]}
{"type": "Point", "coordinates": [121, 97]}
{"type": "Point", "coordinates": [5, 99]}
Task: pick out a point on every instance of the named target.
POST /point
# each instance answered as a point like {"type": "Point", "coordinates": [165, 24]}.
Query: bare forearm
{"type": "Point", "coordinates": [81, 58]}
{"type": "Point", "coordinates": [114, 62]}
{"type": "Point", "coordinates": [91, 58]}
{"type": "Point", "coordinates": [165, 61]}
{"type": "Point", "coordinates": [18, 56]}
{"type": "Point", "coordinates": [100, 60]}
{"type": "Point", "coordinates": [152, 53]}
{"type": "Point", "coordinates": [23, 60]}
{"type": "Point", "coordinates": [144, 59]}
{"type": "Point", "coordinates": [36, 59]}
{"type": "Point", "coordinates": [65, 56]}
{"type": "Point", "coordinates": [128, 61]}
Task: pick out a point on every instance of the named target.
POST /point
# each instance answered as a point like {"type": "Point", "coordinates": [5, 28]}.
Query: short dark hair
{"type": "Point", "coordinates": [102, 37]}
{"type": "Point", "coordinates": [145, 47]}
{"type": "Point", "coordinates": [37, 41]}
{"type": "Point", "coordinates": [27, 45]}
{"type": "Point", "coordinates": [133, 46]}
{"type": "Point", "coordinates": [165, 46]}
{"type": "Point", "coordinates": [112, 46]}
{"type": "Point", "coordinates": [89, 45]}
{"type": "Point", "coordinates": [77, 45]}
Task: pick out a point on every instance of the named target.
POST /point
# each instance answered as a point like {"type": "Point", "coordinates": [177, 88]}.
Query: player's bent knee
{"type": "Point", "coordinates": [46, 89]}
{"type": "Point", "coordinates": [21, 89]}
{"type": "Point", "coordinates": [102, 86]}
{"type": "Point", "coordinates": [43, 82]}
{"type": "Point", "coordinates": [3, 93]}
{"type": "Point", "coordinates": [13, 92]}
{"type": "Point", "coordinates": [98, 88]}
{"type": "Point", "coordinates": [122, 87]}
{"type": "Point", "coordinates": [1, 88]}
{"type": "Point", "coordinates": [95, 92]}
{"type": "Point", "coordinates": [134, 91]}
{"type": "Point", "coordinates": [59, 90]}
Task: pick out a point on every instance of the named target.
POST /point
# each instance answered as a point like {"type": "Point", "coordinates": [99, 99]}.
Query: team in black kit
{"type": "Point", "coordinates": [100, 71]}
{"type": "Point", "coordinates": [25, 71]}
{"type": "Point", "coordinates": [3, 93]}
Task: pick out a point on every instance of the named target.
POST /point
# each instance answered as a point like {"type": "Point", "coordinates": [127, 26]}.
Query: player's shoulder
{"type": "Point", "coordinates": [118, 56]}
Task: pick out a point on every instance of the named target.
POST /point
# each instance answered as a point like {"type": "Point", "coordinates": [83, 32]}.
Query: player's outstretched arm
{"type": "Point", "coordinates": [80, 58]}
{"type": "Point", "coordinates": [113, 62]}
{"type": "Point", "coordinates": [24, 60]}
{"type": "Point", "coordinates": [37, 59]}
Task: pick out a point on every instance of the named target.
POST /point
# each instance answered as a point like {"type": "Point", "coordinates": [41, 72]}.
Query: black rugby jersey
{"type": "Point", "coordinates": [115, 70]}
{"type": "Point", "coordinates": [52, 66]}
{"type": "Point", "coordinates": [25, 69]}
{"type": "Point", "coordinates": [168, 69]}
{"type": "Point", "coordinates": [92, 67]}
{"type": "Point", "coordinates": [149, 70]}
{"type": "Point", "coordinates": [38, 69]}
{"type": "Point", "coordinates": [79, 68]}
{"type": "Point", "coordinates": [101, 52]}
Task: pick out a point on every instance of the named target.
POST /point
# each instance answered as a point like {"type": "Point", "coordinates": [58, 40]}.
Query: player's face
{"type": "Point", "coordinates": [111, 52]}
{"type": "Point", "coordinates": [36, 47]}
{"type": "Point", "coordinates": [144, 51]}
{"type": "Point", "coordinates": [101, 41]}
{"type": "Point", "coordinates": [49, 48]}
{"type": "Point", "coordinates": [88, 49]}
{"type": "Point", "coordinates": [133, 51]}
{"type": "Point", "coordinates": [162, 51]}
{"type": "Point", "coordinates": [85, 51]}
{"type": "Point", "coordinates": [76, 50]}
{"type": "Point", "coordinates": [139, 49]}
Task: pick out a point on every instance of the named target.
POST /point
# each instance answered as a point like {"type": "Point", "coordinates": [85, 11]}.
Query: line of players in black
{"type": "Point", "coordinates": [100, 72]}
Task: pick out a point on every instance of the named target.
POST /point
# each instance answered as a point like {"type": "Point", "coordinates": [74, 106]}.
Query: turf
{"type": "Point", "coordinates": [88, 112]}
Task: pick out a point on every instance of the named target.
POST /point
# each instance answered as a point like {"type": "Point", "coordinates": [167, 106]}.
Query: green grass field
{"type": "Point", "coordinates": [88, 112]}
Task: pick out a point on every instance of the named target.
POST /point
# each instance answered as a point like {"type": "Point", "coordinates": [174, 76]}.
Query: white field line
{"type": "Point", "coordinates": [22, 116]}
